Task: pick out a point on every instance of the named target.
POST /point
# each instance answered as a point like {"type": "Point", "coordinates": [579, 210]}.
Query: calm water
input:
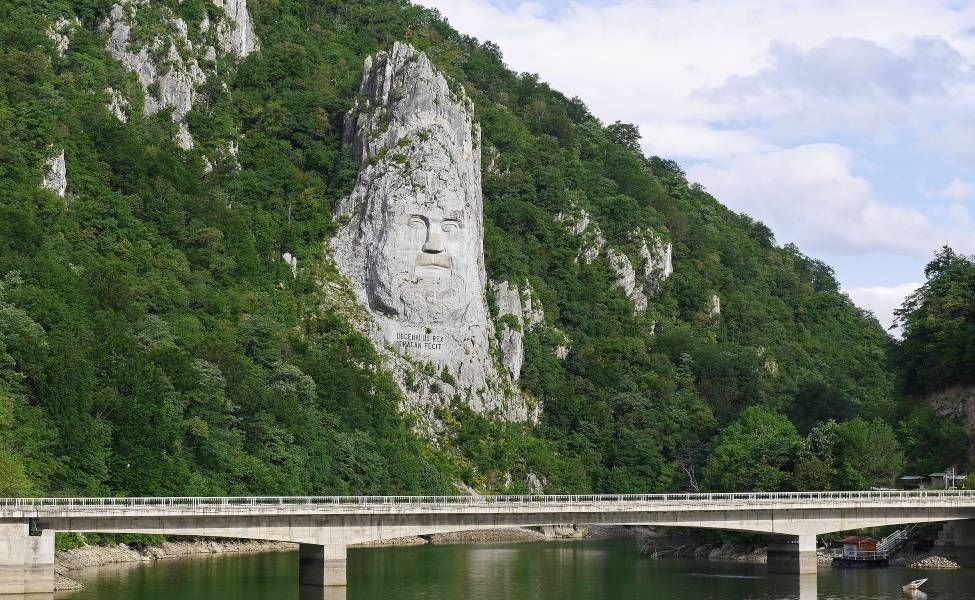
{"type": "Point", "coordinates": [543, 571]}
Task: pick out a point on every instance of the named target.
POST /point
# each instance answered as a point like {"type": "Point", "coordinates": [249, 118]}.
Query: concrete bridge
{"type": "Point", "coordinates": [324, 527]}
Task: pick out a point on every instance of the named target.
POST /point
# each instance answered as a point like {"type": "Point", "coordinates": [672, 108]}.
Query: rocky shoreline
{"type": "Point", "coordinates": [90, 556]}
{"type": "Point", "coordinates": [87, 557]}
{"type": "Point", "coordinates": [656, 546]}
{"type": "Point", "coordinates": [650, 541]}
{"type": "Point", "coordinates": [925, 561]}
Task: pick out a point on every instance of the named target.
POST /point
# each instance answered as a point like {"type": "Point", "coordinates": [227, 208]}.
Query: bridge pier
{"type": "Point", "coordinates": [793, 554]}
{"type": "Point", "coordinates": [26, 561]}
{"type": "Point", "coordinates": [320, 566]}
{"type": "Point", "coordinates": [958, 539]}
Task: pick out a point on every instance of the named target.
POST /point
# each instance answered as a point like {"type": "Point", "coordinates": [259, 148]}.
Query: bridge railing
{"type": "Point", "coordinates": [243, 502]}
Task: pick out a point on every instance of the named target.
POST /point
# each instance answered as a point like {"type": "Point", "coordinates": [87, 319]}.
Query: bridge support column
{"type": "Point", "coordinates": [962, 545]}
{"type": "Point", "coordinates": [793, 554]}
{"type": "Point", "coordinates": [320, 566]}
{"type": "Point", "coordinates": [26, 561]}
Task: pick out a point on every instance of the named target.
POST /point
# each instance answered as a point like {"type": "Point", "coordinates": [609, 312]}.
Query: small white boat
{"type": "Point", "coordinates": [914, 585]}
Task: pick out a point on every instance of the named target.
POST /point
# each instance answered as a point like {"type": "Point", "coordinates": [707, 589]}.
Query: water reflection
{"type": "Point", "coordinates": [808, 585]}
{"type": "Point", "coordinates": [317, 593]}
{"type": "Point", "coordinates": [536, 571]}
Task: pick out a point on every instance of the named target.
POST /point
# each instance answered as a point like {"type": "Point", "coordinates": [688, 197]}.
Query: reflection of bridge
{"type": "Point", "coordinates": [325, 526]}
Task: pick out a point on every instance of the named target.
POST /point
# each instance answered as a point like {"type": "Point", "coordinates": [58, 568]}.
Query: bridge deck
{"type": "Point", "coordinates": [324, 505]}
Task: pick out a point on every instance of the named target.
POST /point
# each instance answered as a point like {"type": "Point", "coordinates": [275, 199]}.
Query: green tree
{"type": "Point", "coordinates": [938, 321]}
{"type": "Point", "coordinates": [868, 454]}
{"type": "Point", "coordinates": [756, 452]}
{"type": "Point", "coordinates": [932, 442]}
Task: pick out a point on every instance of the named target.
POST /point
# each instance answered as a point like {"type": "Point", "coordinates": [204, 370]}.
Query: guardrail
{"type": "Point", "coordinates": [440, 501]}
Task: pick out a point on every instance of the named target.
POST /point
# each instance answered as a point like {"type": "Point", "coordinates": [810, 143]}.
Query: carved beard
{"type": "Point", "coordinates": [420, 300]}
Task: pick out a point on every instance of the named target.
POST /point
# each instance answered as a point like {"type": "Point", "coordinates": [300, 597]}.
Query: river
{"type": "Point", "coordinates": [535, 571]}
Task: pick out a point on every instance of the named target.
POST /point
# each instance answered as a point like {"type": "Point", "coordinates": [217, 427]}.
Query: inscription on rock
{"type": "Point", "coordinates": [412, 341]}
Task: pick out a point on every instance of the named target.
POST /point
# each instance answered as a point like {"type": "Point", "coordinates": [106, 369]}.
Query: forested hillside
{"type": "Point", "coordinates": [153, 341]}
{"type": "Point", "coordinates": [934, 364]}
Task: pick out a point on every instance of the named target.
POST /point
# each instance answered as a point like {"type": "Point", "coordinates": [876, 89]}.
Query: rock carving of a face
{"type": "Point", "coordinates": [428, 256]}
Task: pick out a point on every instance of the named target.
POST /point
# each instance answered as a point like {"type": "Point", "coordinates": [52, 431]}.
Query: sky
{"type": "Point", "coordinates": [847, 126]}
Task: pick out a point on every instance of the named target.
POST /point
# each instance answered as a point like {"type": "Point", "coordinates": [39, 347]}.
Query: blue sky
{"type": "Point", "coordinates": [848, 126]}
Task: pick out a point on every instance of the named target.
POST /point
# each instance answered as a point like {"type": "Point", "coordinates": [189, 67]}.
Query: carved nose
{"type": "Point", "coordinates": [433, 244]}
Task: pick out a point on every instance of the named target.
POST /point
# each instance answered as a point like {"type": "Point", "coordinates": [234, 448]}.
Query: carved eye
{"type": "Point", "coordinates": [417, 222]}
{"type": "Point", "coordinates": [450, 225]}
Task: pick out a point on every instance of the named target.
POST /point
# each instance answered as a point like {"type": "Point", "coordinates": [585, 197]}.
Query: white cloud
{"type": "Point", "coordinates": [809, 195]}
{"type": "Point", "coordinates": [695, 139]}
{"type": "Point", "coordinates": [656, 62]}
{"type": "Point", "coordinates": [791, 112]}
{"type": "Point", "coordinates": [882, 300]}
{"type": "Point", "coordinates": [956, 189]}
{"type": "Point", "coordinates": [852, 84]}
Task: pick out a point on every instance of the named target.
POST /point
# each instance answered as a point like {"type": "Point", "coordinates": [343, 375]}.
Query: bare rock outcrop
{"type": "Point", "coordinates": [714, 307]}
{"type": "Point", "coordinates": [580, 223]}
{"type": "Point", "coordinates": [55, 175]}
{"type": "Point", "coordinates": [236, 31]}
{"type": "Point", "coordinates": [626, 278]}
{"type": "Point", "coordinates": [655, 253]}
{"type": "Point", "coordinates": [292, 262]}
{"type": "Point", "coordinates": [511, 327]}
{"type": "Point", "coordinates": [412, 245]}
{"type": "Point", "coordinates": [535, 483]}
{"type": "Point", "coordinates": [60, 33]}
{"type": "Point", "coordinates": [658, 261]}
{"type": "Point", "coordinates": [117, 104]}
{"type": "Point", "coordinates": [518, 311]}
{"type": "Point", "coordinates": [487, 536]}
{"type": "Point", "coordinates": [168, 66]}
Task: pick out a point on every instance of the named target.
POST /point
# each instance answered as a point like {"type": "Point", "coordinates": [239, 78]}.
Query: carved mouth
{"type": "Point", "coordinates": [442, 261]}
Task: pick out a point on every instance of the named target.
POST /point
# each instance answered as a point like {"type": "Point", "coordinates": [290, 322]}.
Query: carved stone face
{"type": "Point", "coordinates": [424, 268]}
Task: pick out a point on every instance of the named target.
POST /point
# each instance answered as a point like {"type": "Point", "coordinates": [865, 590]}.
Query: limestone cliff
{"type": "Point", "coordinates": [169, 64]}
{"type": "Point", "coordinates": [55, 175]}
{"type": "Point", "coordinates": [518, 311]}
{"type": "Point", "coordinates": [60, 33]}
{"type": "Point", "coordinates": [626, 278]}
{"type": "Point", "coordinates": [412, 246]}
{"type": "Point", "coordinates": [655, 254]}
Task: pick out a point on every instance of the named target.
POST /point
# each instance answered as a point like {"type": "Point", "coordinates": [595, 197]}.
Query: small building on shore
{"type": "Point", "coordinates": [948, 480]}
{"type": "Point", "coordinates": [855, 546]}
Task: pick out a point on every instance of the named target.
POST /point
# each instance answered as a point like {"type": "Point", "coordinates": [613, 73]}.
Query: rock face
{"type": "Point", "coordinates": [413, 245]}
{"type": "Point", "coordinates": [55, 175]}
{"type": "Point", "coordinates": [578, 221]}
{"type": "Point", "coordinates": [60, 34]}
{"type": "Point", "coordinates": [658, 262]}
{"type": "Point", "coordinates": [626, 278]}
{"type": "Point", "coordinates": [117, 105]}
{"type": "Point", "coordinates": [292, 262]}
{"type": "Point", "coordinates": [655, 253]}
{"type": "Point", "coordinates": [536, 484]}
{"type": "Point", "coordinates": [517, 312]}
{"type": "Point", "coordinates": [236, 32]}
{"type": "Point", "coordinates": [168, 66]}
{"type": "Point", "coordinates": [715, 309]}
{"type": "Point", "coordinates": [170, 83]}
{"type": "Point", "coordinates": [512, 333]}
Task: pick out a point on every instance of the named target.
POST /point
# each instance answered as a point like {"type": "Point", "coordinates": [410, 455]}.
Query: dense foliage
{"type": "Point", "coordinates": [153, 342]}
{"type": "Point", "coordinates": [936, 355]}
{"type": "Point", "coordinates": [938, 349]}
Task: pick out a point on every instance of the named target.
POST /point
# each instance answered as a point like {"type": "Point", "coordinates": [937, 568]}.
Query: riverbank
{"type": "Point", "coordinates": [652, 542]}
{"type": "Point", "coordinates": [87, 557]}
{"type": "Point", "coordinates": [924, 561]}
{"type": "Point", "coordinates": [657, 544]}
